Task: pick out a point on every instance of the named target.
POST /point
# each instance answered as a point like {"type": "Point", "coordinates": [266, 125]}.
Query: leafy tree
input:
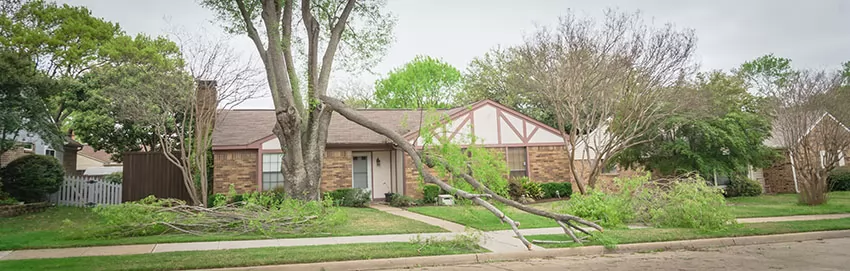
{"type": "Point", "coordinates": [358, 30]}
{"type": "Point", "coordinates": [496, 76]}
{"type": "Point", "coordinates": [23, 92]}
{"type": "Point", "coordinates": [722, 136]}
{"type": "Point", "coordinates": [63, 41]}
{"type": "Point", "coordinates": [424, 82]}
{"type": "Point", "coordinates": [97, 120]}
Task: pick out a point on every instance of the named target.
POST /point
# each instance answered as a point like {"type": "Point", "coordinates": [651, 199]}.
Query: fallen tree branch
{"type": "Point", "coordinates": [417, 158]}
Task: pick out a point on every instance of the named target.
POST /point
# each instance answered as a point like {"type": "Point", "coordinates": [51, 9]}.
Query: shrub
{"type": "Point", "coordinates": [532, 189]}
{"type": "Point", "coordinates": [743, 187]}
{"type": "Point", "coordinates": [6, 199]}
{"type": "Point", "coordinates": [430, 192]}
{"type": "Point", "coordinates": [554, 190]}
{"type": "Point", "coordinates": [350, 197]}
{"type": "Point", "coordinates": [399, 200]}
{"type": "Point", "coordinates": [31, 178]}
{"type": "Point", "coordinates": [114, 177]}
{"type": "Point", "coordinates": [691, 203]}
{"type": "Point", "coordinates": [516, 189]}
{"type": "Point", "coordinates": [606, 210]}
{"type": "Point", "coordinates": [839, 179]}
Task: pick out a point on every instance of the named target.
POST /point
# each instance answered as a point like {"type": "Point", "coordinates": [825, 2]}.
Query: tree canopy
{"type": "Point", "coordinates": [723, 135]}
{"type": "Point", "coordinates": [424, 82]}
{"type": "Point", "coordinates": [23, 93]}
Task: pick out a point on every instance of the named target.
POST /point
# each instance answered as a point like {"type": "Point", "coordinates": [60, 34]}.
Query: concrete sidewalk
{"type": "Point", "coordinates": [495, 241]}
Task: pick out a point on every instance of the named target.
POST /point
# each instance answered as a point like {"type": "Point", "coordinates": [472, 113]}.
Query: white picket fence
{"type": "Point", "coordinates": [86, 192]}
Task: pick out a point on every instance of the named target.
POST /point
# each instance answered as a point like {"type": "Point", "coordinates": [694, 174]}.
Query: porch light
{"type": "Point", "coordinates": [378, 161]}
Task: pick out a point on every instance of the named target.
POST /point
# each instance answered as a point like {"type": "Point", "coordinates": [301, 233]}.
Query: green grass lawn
{"type": "Point", "coordinates": [480, 218]}
{"type": "Point", "coordinates": [45, 230]}
{"type": "Point", "coordinates": [626, 236]}
{"type": "Point", "coordinates": [240, 257]}
{"type": "Point", "coordinates": [786, 204]}
{"type": "Point", "coordinates": [741, 207]}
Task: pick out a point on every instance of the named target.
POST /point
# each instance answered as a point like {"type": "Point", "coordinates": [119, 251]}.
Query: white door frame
{"type": "Point", "coordinates": [368, 168]}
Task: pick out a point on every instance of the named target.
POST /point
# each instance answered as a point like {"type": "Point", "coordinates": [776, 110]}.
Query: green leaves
{"type": "Point", "coordinates": [425, 82]}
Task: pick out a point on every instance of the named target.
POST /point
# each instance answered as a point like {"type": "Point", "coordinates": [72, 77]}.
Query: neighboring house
{"type": "Point", "coordinates": [248, 156]}
{"type": "Point", "coordinates": [95, 163]}
{"type": "Point", "coordinates": [781, 177]}
{"type": "Point", "coordinates": [31, 143]}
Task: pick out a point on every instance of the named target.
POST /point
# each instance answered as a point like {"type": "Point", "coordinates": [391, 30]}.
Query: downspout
{"type": "Point", "coordinates": [794, 171]}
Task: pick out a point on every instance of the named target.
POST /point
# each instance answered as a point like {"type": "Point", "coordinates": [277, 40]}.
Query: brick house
{"type": "Point", "coordinates": [248, 155]}
{"type": "Point", "coordinates": [781, 177]}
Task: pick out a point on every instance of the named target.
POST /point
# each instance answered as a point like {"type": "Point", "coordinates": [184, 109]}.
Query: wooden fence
{"type": "Point", "coordinates": [150, 173]}
{"type": "Point", "coordinates": [86, 192]}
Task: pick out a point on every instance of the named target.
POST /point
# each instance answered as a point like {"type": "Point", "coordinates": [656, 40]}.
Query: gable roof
{"type": "Point", "coordinates": [776, 135]}
{"type": "Point", "coordinates": [241, 127]}
{"type": "Point", "coordinates": [100, 156]}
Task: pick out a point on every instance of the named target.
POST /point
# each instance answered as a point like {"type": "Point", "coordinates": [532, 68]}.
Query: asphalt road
{"type": "Point", "coordinates": [830, 254]}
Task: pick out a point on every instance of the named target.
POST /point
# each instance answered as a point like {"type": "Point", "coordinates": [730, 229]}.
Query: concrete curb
{"type": "Point", "coordinates": [413, 262]}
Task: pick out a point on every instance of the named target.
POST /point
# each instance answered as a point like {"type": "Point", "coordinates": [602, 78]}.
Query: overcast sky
{"type": "Point", "coordinates": [814, 34]}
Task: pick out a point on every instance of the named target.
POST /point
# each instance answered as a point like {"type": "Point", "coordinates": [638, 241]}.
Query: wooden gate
{"type": "Point", "coordinates": [86, 192]}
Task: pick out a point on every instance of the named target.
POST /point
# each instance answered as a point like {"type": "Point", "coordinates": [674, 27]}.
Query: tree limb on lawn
{"type": "Point", "coordinates": [417, 158]}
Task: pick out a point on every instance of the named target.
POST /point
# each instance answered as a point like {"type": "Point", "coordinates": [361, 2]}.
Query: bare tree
{"type": "Point", "coordinates": [421, 159]}
{"type": "Point", "coordinates": [302, 124]}
{"type": "Point", "coordinates": [814, 139]}
{"type": "Point", "coordinates": [354, 93]}
{"type": "Point", "coordinates": [181, 103]}
{"type": "Point", "coordinates": [608, 85]}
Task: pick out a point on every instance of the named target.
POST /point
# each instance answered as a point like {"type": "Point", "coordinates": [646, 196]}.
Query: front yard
{"type": "Point", "coordinates": [786, 204]}
{"type": "Point", "coordinates": [628, 236]}
{"type": "Point", "coordinates": [58, 226]}
{"type": "Point", "coordinates": [241, 257]}
{"type": "Point", "coordinates": [741, 207]}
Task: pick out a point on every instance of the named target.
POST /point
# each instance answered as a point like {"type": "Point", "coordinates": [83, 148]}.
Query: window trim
{"type": "Point", "coordinates": [51, 150]}
{"type": "Point", "coordinates": [525, 163]}
{"type": "Point", "coordinates": [263, 172]}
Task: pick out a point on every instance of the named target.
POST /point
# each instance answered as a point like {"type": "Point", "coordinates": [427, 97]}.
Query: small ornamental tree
{"type": "Point", "coordinates": [31, 178]}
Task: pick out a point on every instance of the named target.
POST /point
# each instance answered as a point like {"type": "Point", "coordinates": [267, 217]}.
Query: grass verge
{"type": "Point", "coordinates": [786, 205]}
{"type": "Point", "coordinates": [240, 257]}
{"type": "Point", "coordinates": [48, 229]}
{"type": "Point", "coordinates": [626, 236]}
{"type": "Point", "coordinates": [480, 218]}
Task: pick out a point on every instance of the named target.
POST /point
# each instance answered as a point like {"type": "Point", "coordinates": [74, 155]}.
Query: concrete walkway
{"type": "Point", "coordinates": [495, 241]}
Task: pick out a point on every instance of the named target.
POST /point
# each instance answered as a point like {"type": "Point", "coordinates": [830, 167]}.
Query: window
{"type": "Point", "coordinates": [517, 162]}
{"type": "Point", "coordinates": [50, 152]}
{"type": "Point", "coordinates": [272, 176]}
{"type": "Point", "coordinates": [841, 161]}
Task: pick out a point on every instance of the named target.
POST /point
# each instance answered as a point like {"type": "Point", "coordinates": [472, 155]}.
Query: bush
{"type": "Point", "coordinates": [554, 190]}
{"type": "Point", "coordinates": [839, 179]}
{"type": "Point", "coordinates": [532, 189]}
{"type": "Point", "coordinates": [688, 203]}
{"type": "Point", "coordinates": [516, 189]}
{"type": "Point", "coordinates": [606, 210]}
{"type": "Point", "coordinates": [31, 178]}
{"type": "Point", "coordinates": [430, 192]}
{"type": "Point", "coordinates": [691, 203]}
{"type": "Point", "coordinates": [114, 177]}
{"type": "Point", "coordinates": [743, 187]}
{"type": "Point", "coordinates": [350, 197]}
{"type": "Point", "coordinates": [399, 200]}
{"type": "Point", "coordinates": [6, 199]}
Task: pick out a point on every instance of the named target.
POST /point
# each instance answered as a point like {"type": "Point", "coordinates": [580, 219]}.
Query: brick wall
{"type": "Point", "coordinates": [411, 178]}
{"type": "Point", "coordinates": [336, 170]}
{"type": "Point", "coordinates": [11, 155]}
{"type": "Point", "coordinates": [548, 164]}
{"type": "Point", "coordinates": [69, 160]}
{"type": "Point", "coordinates": [237, 167]}
{"type": "Point", "coordinates": [779, 177]}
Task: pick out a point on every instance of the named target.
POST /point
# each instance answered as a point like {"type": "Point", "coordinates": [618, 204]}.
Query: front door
{"type": "Point", "coordinates": [361, 170]}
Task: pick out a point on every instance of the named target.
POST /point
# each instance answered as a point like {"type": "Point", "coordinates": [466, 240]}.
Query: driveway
{"type": "Point", "coordinates": [830, 254]}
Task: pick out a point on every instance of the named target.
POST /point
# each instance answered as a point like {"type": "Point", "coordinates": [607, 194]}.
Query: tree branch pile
{"type": "Point", "coordinates": [568, 222]}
